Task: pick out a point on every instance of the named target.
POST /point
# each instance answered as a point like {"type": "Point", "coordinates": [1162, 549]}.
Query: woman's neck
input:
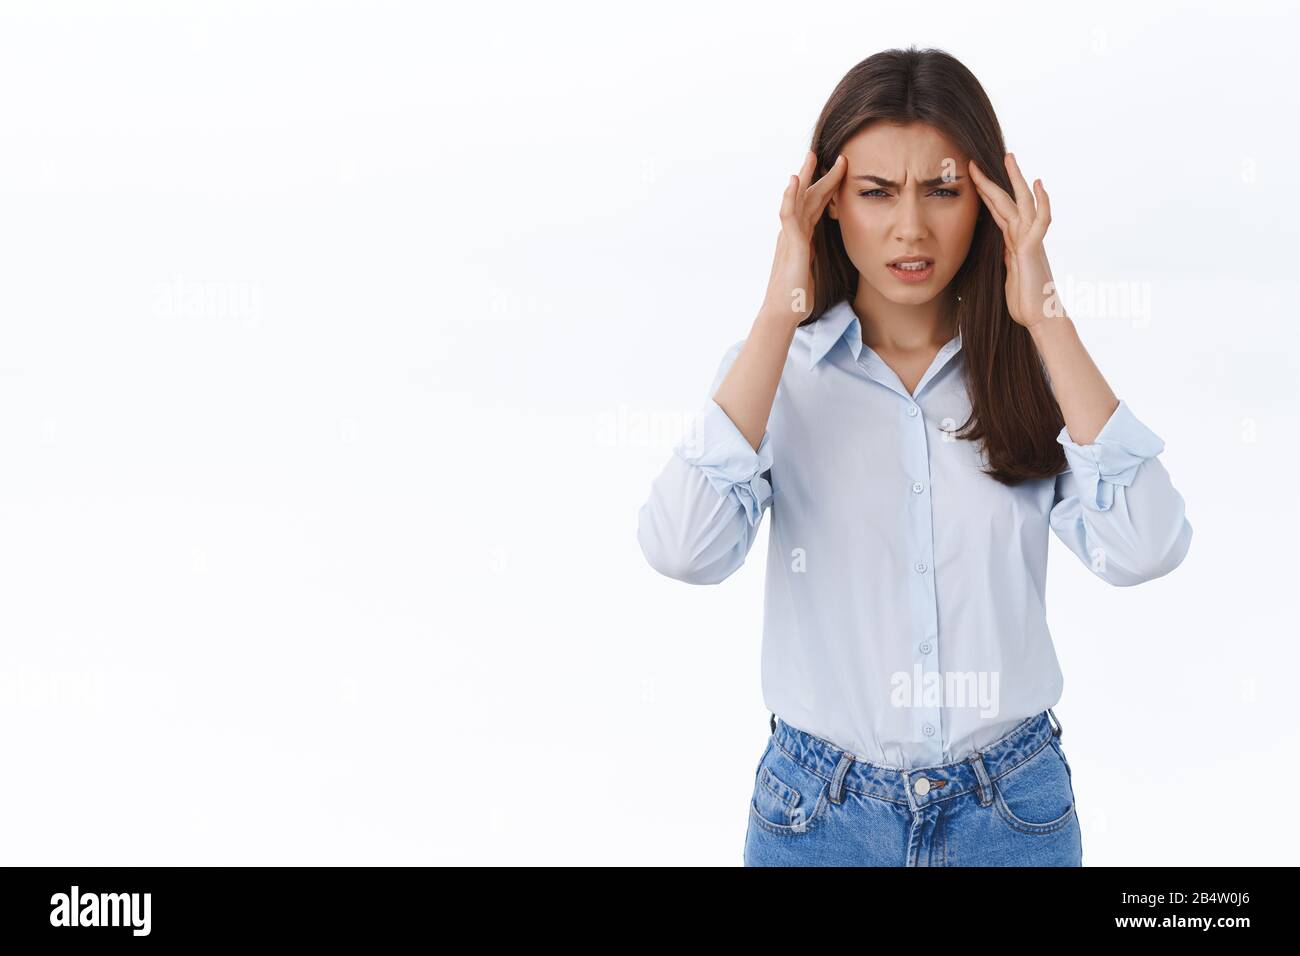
{"type": "Point", "coordinates": [890, 327]}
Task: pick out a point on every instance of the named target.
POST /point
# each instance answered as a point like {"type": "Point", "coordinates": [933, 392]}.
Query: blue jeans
{"type": "Point", "coordinates": [1010, 804]}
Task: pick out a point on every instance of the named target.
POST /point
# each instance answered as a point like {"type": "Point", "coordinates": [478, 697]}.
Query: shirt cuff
{"type": "Point", "coordinates": [716, 446]}
{"type": "Point", "coordinates": [1113, 458]}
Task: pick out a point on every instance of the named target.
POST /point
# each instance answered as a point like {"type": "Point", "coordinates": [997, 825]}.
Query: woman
{"type": "Point", "coordinates": [916, 410]}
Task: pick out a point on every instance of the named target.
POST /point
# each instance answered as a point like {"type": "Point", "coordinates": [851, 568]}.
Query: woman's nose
{"type": "Point", "coordinates": [911, 221]}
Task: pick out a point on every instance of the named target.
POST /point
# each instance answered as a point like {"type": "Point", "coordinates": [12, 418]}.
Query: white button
{"type": "Point", "coordinates": [922, 786]}
{"type": "Point", "coordinates": [920, 567]}
{"type": "Point", "coordinates": [912, 410]}
{"type": "Point", "coordinates": [925, 647]}
{"type": "Point", "coordinates": [917, 487]}
{"type": "Point", "coordinates": [928, 730]}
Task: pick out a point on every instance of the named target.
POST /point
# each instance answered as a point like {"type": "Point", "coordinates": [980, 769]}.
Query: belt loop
{"type": "Point", "coordinates": [773, 723]}
{"type": "Point", "coordinates": [837, 781]}
{"type": "Point", "coordinates": [1052, 715]}
{"type": "Point", "coordinates": [982, 782]}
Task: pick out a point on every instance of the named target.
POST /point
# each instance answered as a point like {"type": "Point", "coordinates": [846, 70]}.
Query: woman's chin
{"type": "Point", "coordinates": [909, 295]}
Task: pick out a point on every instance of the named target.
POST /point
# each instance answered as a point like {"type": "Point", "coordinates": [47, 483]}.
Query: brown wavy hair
{"type": "Point", "coordinates": [1013, 411]}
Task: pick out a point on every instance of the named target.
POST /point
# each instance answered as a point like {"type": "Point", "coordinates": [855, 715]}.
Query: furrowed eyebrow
{"type": "Point", "coordinates": [937, 181]}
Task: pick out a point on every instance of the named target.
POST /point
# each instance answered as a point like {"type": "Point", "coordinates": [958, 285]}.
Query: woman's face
{"type": "Point", "coordinates": [906, 192]}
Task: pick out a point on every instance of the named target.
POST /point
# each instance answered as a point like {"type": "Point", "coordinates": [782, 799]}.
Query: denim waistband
{"type": "Point", "coordinates": [919, 786]}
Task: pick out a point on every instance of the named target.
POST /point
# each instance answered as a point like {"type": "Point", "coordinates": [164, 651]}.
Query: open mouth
{"type": "Point", "coordinates": [912, 270]}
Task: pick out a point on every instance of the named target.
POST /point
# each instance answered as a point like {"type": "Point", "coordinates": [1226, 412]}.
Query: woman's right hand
{"type": "Point", "coordinates": [790, 289]}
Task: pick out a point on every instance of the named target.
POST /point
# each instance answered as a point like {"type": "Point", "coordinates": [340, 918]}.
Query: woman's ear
{"type": "Point", "coordinates": [830, 209]}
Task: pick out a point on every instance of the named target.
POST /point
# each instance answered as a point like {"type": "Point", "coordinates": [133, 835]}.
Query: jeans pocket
{"type": "Point", "coordinates": [788, 798]}
{"type": "Point", "coordinates": [1036, 796]}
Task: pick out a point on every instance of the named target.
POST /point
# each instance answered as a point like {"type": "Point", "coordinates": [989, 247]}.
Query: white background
{"type": "Point", "coordinates": [339, 344]}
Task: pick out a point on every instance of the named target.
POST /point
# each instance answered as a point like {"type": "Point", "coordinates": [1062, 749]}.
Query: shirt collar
{"type": "Point", "coordinates": [841, 322]}
{"type": "Point", "coordinates": [833, 326]}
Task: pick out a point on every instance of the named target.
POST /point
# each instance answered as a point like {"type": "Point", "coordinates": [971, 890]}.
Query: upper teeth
{"type": "Point", "coordinates": [910, 265]}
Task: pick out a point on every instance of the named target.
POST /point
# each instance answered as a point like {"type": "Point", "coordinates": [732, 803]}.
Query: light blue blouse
{"type": "Point", "coordinates": [904, 614]}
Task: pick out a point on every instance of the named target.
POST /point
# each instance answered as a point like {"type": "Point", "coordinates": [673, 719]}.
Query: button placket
{"type": "Point", "coordinates": [918, 462]}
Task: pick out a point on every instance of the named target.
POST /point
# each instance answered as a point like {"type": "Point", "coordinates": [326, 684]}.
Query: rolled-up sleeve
{"type": "Point", "coordinates": [735, 470]}
{"type": "Point", "coordinates": [1116, 506]}
{"type": "Point", "coordinates": [704, 508]}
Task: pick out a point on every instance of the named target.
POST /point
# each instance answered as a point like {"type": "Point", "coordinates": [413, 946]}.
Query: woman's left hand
{"type": "Point", "coordinates": [1031, 291]}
